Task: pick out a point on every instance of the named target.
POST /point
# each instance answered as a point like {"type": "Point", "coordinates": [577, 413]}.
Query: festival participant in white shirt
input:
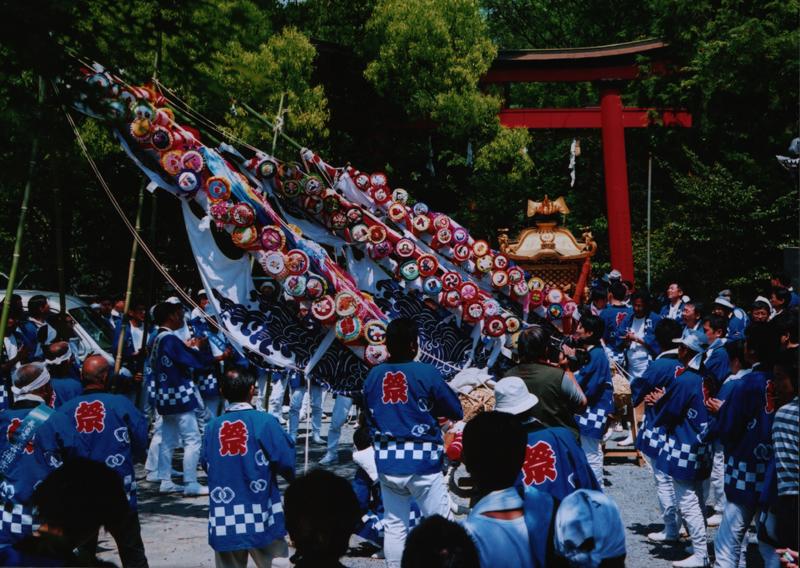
{"type": "Point", "coordinates": [674, 307]}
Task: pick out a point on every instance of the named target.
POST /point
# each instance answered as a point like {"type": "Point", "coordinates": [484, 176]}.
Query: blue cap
{"type": "Point", "coordinates": [694, 340]}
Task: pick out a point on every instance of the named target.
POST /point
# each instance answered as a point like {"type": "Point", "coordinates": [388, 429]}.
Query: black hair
{"type": "Point", "coordinates": [439, 543]}
{"type": "Point", "coordinates": [787, 323]}
{"type": "Point", "coordinates": [760, 305]}
{"type": "Point", "coordinates": [401, 338]}
{"type": "Point", "coordinates": [362, 438]}
{"type": "Point", "coordinates": [163, 311]}
{"type": "Point", "coordinates": [35, 304]}
{"type": "Point", "coordinates": [699, 308]}
{"type": "Point", "coordinates": [594, 325]}
{"type": "Point", "coordinates": [641, 295]}
{"type": "Point", "coordinates": [119, 298]}
{"type": "Point", "coordinates": [494, 450]}
{"type": "Point", "coordinates": [735, 350]}
{"type": "Point", "coordinates": [236, 383]}
{"type": "Point", "coordinates": [762, 339]}
{"type": "Point", "coordinates": [80, 497]}
{"type": "Point", "coordinates": [678, 284]}
{"type": "Point", "coordinates": [321, 513]}
{"type": "Point", "coordinates": [781, 294]}
{"type": "Point", "coordinates": [618, 290]}
{"type": "Point", "coordinates": [532, 344]}
{"type": "Point", "coordinates": [667, 330]}
{"type": "Point", "coordinates": [599, 294]}
{"type": "Point", "coordinates": [717, 323]}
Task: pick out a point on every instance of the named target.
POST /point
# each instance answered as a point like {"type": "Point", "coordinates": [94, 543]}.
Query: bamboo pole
{"type": "Point", "coordinates": [263, 120]}
{"type": "Point", "coordinates": [275, 131]}
{"type": "Point", "coordinates": [129, 287]}
{"type": "Point", "coordinates": [62, 287]}
{"type": "Point", "coordinates": [23, 213]}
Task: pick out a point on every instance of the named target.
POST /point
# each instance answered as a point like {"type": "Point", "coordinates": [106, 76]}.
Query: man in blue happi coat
{"type": "Point", "coordinates": [715, 362]}
{"type": "Point", "coordinates": [404, 398]}
{"type": "Point", "coordinates": [673, 309]}
{"type": "Point", "coordinates": [681, 412]}
{"type": "Point", "coordinates": [52, 441]}
{"type": "Point", "coordinates": [244, 451]}
{"type": "Point", "coordinates": [554, 462]}
{"type": "Point", "coordinates": [112, 431]}
{"type": "Point", "coordinates": [650, 439]}
{"type": "Point", "coordinates": [60, 364]}
{"type": "Point", "coordinates": [616, 311]}
{"type": "Point", "coordinates": [176, 397]}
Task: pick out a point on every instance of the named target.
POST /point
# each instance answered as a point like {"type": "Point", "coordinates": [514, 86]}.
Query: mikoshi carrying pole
{"type": "Point", "coordinates": [23, 213]}
{"type": "Point", "coordinates": [131, 269]}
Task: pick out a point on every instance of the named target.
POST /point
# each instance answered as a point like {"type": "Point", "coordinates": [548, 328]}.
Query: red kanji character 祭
{"type": "Point", "coordinates": [540, 464]}
{"type": "Point", "coordinates": [90, 417]}
{"type": "Point", "coordinates": [15, 423]}
{"type": "Point", "coordinates": [233, 438]}
{"type": "Point", "coordinates": [395, 388]}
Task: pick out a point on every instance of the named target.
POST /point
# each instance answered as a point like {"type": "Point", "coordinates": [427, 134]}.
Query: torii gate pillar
{"type": "Point", "coordinates": [616, 178]}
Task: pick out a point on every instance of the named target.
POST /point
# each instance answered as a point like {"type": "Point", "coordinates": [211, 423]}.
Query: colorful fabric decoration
{"type": "Point", "coordinates": [245, 237]}
{"type": "Point", "coordinates": [218, 188]}
{"type": "Point", "coordinates": [242, 215]}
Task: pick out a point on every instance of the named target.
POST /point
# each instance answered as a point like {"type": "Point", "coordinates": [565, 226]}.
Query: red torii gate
{"type": "Point", "coordinates": [610, 66]}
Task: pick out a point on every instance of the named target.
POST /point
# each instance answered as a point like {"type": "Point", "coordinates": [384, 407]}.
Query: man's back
{"type": "Point", "coordinates": [404, 400]}
{"type": "Point", "coordinates": [546, 382]}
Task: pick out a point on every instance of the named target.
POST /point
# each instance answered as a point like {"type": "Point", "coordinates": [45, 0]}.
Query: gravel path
{"type": "Point", "coordinates": [174, 528]}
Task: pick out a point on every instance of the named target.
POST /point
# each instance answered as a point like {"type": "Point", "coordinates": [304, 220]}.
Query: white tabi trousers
{"type": "Point", "coordinates": [689, 497]}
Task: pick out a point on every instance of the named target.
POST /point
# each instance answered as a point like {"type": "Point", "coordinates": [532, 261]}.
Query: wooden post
{"type": "Point", "coordinates": [23, 213]}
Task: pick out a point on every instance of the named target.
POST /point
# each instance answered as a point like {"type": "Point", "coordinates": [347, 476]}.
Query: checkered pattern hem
{"type": "Point", "coordinates": [391, 450]}
{"type": "Point", "coordinates": [654, 438]}
{"type": "Point", "coordinates": [249, 518]}
{"type": "Point", "coordinates": [592, 418]}
{"type": "Point", "coordinates": [171, 396]}
{"type": "Point", "coordinates": [207, 383]}
{"type": "Point", "coordinates": [686, 456]}
{"type": "Point", "coordinates": [371, 519]}
{"type": "Point", "coordinates": [129, 484]}
{"type": "Point", "coordinates": [745, 476]}
{"type": "Point", "coordinates": [17, 520]}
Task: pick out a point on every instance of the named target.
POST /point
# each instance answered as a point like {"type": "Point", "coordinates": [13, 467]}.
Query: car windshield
{"type": "Point", "coordinates": [94, 326]}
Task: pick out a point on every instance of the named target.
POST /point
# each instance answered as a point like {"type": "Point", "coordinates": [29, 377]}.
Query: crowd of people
{"type": "Point", "coordinates": [715, 387]}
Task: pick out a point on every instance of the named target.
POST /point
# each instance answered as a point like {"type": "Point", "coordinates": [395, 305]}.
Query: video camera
{"type": "Point", "coordinates": [556, 346]}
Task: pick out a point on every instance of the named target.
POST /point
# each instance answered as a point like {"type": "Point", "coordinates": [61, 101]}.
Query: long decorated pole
{"type": "Point", "coordinates": [129, 286]}
{"type": "Point", "coordinates": [62, 285]}
{"type": "Point", "coordinates": [23, 213]}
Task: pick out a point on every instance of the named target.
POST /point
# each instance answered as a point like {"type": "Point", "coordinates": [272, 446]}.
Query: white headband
{"type": "Point", "coordinates": [37, 383]}
{"type": "Point", "coordinates": [60, 359]}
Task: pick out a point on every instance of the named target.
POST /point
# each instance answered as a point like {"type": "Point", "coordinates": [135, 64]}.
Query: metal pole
{"type": "Point", "coordinates": [23, 213]}
{"type": "Point", "coordinates": [131, 269]}
{"type": "Point", "coordinates": [649, 208]}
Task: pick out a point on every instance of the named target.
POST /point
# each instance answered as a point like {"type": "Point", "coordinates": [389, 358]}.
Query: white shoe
{"type": "Point", "coordinates": [152, 477]}
{"type": "Point", "coordinates": [714, 520]}
{"type": "Point", "coordinates": [662, 538]}
{"type": "Point", "coordinates": [626, 441]}
{"type": "Point", "coordinates": [694, 561]}
{"type": "Point", "coordinates": [193, 489]}
{"type": "Point", "coordinates": [608, 434]}
{"type": "Point", "coordinates": [317, 439]}
{"type": "Point", "coordinates": [618, 427]}
{"type": "Point", "coordinates": [170, 487]}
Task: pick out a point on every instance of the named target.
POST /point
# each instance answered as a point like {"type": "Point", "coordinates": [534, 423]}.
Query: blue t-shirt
{"type": "Point", "coordinates": [64, 390]}
{"type": "Point", "coordinates": [404, 401]}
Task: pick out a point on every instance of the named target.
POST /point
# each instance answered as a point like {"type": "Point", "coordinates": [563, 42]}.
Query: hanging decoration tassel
{"type": "Point", "coordinates": [574, 152]}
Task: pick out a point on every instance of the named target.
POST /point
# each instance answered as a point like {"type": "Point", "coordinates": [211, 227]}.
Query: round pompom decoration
{"type": "Point", "coordinates": [480, 248]}
{"type": "Point", "coordinates": [460, 235]}
{"type": "Point", "coordinates": [164, 116]}
{"type": "Point", "coordinates": [140, 129]}
{"type": "Point", "coordinates": [291, 188]}
{"type": "Point", "coordinates": [428, 265]}
{"type": "Point", "coordinates": [491, 307]}
{"type": "Point", "coordinates": [377, 234]}
{"type": "Point", "coordinates": [473, 311]}
{"type": "Point", "coordinates": [359, 233]}
{"type": "Point", "coordinates": [555, 296]}
{"type": "Point", "coordinates": [346, 304]}
{"type": "Point", "coordinates": [520, 288]}
{"type": "Point", "coordinates": [376, 354]}
{"type": "Point", "coordinates": [444, 236]}
{"type": "Point", "coordinates": [536, 283]}
{"type": "Point", "coordinates": [172, 162]}
{"type": "Point", "coordinates": [338, 220]}
{"type": "Point", "coordinates": [405, 248]}
{"type": "Point", "coordinates": [461, 252]}
{"type": "Point", "coordinates": [513, 324]}
{"type": "Point", "coordinates": [555, 311]}
{"type": "Point", "coordinates": [397, 212]}
{"type": "Point", "coordinates": [144, 110]}
{"type": "Point", "coordinates": [218, 188]}
{"type": "Point", "coordinates": [313, 185]}
{"type": "Point", "coordinates": [245, 237]}
{"type": "Point", "coordinates": [536, 298]}
{"type": "Point", "coordinates": [378, 179]}
{"type": "Point", "coordinates": [354, 216]}
{"type": "Point", "coordinates": [432, 286]}
{"type": "Point", "coordinates": [380, 250]}
{"type": "Point", "coordinates": [161, 139]}
{"type": "Point", "coordinates": [569, 308]}
{"type": "Point", "coordinates": [494, 326]}
{"type": "Point", "coordinates": [324, 309]}
{"type": "Point", "coordinates": [375, 332]}
{"type": "Point", "coordinates": [295, 285]}
{"type": "Point", "coordinates": [381, 195]}
{"type": "Point", "coordinates": [421, 223]}
{"type": "Point", "coordinates": [272, 238]}
{"type": "Point", "coordinates": [313, 204]}
{"type": "Point", "coordinates": [499, 278]}
{"type": "Point", "coordinates": [296, 261]}
{"type": "Point", "coordinates": [362, 181]}
{"type": "Point", "coordinates": [266, 169]}
{"type": "Point", "coordinates": [243, 215]}
{"type": "Point", "coordinates": [316, 287]}
{"type": "Point", "coordinates": [452, 298]}
{"type": "Point", "coordinates": [400, 196]}
{"type": "Point", "coordinates": [441, 222]}
{"type": "Point", "coordinates": [193, 160]}
{"type": "Point", "coordinates": [501, 262]}
{"type": "Point", "coordinates": [469, 292]}
{"type": "Point", "coordinates": [451, 281]}
{"type": "Point", "coordinates": [409, 270]}
{"type": "Point", "coordinates": [331, 203]}
{"type": "Point", "coordinates": [516, 274]}
{"type": "Point", "coordinates": [484, 263]}
{"type": "Point", "coordinates": [221, 212]}
{"type": "Point", "coordinates": [348, 329]}
{"type": "Point", "coordinates": [187, 181]}
{"type": "Point", "coordinates": [420, 209]}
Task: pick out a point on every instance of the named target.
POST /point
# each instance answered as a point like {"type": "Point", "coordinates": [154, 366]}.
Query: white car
{"type": "Point", "coordinates": [91, 335]}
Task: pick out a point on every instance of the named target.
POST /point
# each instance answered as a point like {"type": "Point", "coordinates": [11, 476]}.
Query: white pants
{"type": "Point", "coordinates": [275, 404]}
{"type": "Point", "coordinates": [151, 465]}
{"type": "Point", "coordinates": [316, 409]}
{"type": "Point", "coordinates": [728, 544]}
{"type": "Point", "coordinates": [176, 427]}
{"type": "Point", "coordinates": [689, 497]}
{"type": "Point", "coordinates": [594, 455]}
{"type": "Point", "coordinates": [275, 554]}
{"type": "Point", "coordinates": [665, 492]}
{"type": "Point", "coordinates": [430, 493]}
{"type": "Point", "coordinates": [717, 487]}
{"type": "Point", "coordinates": [341, 408]}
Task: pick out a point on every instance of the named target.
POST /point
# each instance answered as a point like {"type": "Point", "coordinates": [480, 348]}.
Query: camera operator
{"type": "Point", "coordinates": [560, 397]}
{"type": "Point", "coordinates": [594, 378]}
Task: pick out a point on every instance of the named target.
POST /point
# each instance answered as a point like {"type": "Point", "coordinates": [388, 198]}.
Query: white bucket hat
{"type": "Point", "coordinates": [512, 396]}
